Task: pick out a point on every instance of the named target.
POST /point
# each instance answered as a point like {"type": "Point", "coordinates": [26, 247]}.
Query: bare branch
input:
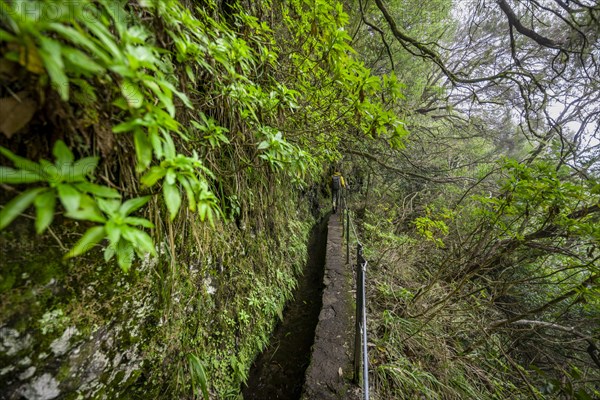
{"type": "Point", "coordinates": [513, 20]}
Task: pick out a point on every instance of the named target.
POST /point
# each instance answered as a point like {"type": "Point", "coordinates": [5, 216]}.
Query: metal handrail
{"type": "Point", "coordinates": [364, 332]}
{"type": "Point", "coordinates": [361, 311]}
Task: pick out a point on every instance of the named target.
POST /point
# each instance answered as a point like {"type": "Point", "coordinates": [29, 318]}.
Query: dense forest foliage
{"type": "Point", "coordinates": [161, 163]}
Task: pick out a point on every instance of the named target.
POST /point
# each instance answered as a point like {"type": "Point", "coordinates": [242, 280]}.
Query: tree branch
{"type": "Point", "coordinates": [516, 22]}
{"type": "Point", "coordinates": [424, 51]}
{"type": "Point", "coordinates": [592, 348]}
{"type": "Point", "coordinates": [551, 325]}
{"type": "Point", "coordinates": [406, 173]}
{"type": "Point", "coordinates": [381, 33]}
{"type": "Point", "coordinates": [590, 280]}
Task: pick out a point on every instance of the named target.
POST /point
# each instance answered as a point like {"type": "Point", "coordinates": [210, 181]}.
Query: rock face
{"type": "Point", "coordinates": [330, 371]}
{"type": "Point", "coordinates": [83, 329]}
{"type": "Point", "coordinates": [49, 351]}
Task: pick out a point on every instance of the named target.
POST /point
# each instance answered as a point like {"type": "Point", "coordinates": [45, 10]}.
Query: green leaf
{"type": "Point", "coordinates": [107, 39]}
{"type": "Point", "coordinates": [93, 236]}
{"type": "Point", "coordinates": [82, 168]}
{"type": "Point", "coordinates": [116, 12]}
{"type": "Point", "coordinates": [121, 103]}
{"type": "Point", "coordinates": [113, 232]}
{"type": "Point", "coordinates": [98, 190]}
{"type": "Point", "coordinates": [20, 162]}
{"type": "Point", "coordinates": [52, 173]}
{"type": "Point", "coordinates": [80, 61]}
{"type": "Point", "coordinates": [124, 255]}
{"type": "Point", "coordinates": [204, 211]}
{"type": "Point", "coordinates": [169, 147]}
{"type": "Point", "coordinates": [190, 74]}
{"type": "Point", "coordinates": [85, 95]}
{"type": "Point", "coordinates": [69, 197]}
{"type": "Point", "coordinates": [138, 222]}
{"type": "Point", "coordinates": [52, 58]}
{"type": "Point", "coordinates": [582, 395]}
{"type": "Point", "coordinates": [156, 144]}
{"type": "Point", "coordinates": [165, 98]}
{"type": "Point", "coordinates": [17, 176]}
{"type": "Point", "coordinates": [44, 205]}
{"type": "Point", "coordinates": [110, 207]}
{"type": "Point", "coordinates": [76, 37]}
{"type": "Point", "coordinates": [172, 198]}
{"type": "Point", "coordinates": [133, 204]}
{"type": "Point", "coordinates": [153, 176]}
{"type": "Point", "coordinates": [183, 97]}
{"type": "Point", "coordinates": [191, 196]}
{"type": "Point", "coordinates": [140, 239]}
{"type": "Point", "coordinates": [171, 176]}
{"type": "Point", "coordinates": [86, 214]}
{"type": "Point", "coordinates": [16, 206]}
{"type": "Point", "coordinates": [6, 37]}
{"type": "Point", "coordinates": [143, 149]}
{"type": "Point", "coordinates": [109, 252]}
{"type": "Point", "coordinates": [132, 93]}
{"type": "Point", "coordinates": [128, 125]}
{"type": "Point", "coordinates": [198, 375]}
{"type": "Point", "coordinates": [87, 211]}
{"type": "Point", "coordinates": [62, 153]}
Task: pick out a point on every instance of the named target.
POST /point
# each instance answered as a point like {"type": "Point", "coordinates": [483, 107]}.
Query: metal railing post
{"type": "Point", "coordinates": [358, 318]}
{"type": "Point", "coordinates": [347, 236]}
{"type": "Point", "coordinates": [343, 227]}
{"type": "Point", "coordinates": [363, 267]}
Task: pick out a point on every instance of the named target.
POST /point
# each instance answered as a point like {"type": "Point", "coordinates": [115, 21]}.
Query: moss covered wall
{"type": "Point", "coordinates": [178, 109]}
{"type": "Point", "coordinates": [82, 329]}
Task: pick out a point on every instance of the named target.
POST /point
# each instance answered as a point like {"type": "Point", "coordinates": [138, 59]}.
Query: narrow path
{"type": "Point", "coordinates": [330, 371]}
{"type": "Point", "coordinates": [278, 373]}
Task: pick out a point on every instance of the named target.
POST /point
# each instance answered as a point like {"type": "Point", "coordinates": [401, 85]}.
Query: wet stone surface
{"type": "Point", "coordinates": [330, 371]}
{"type": "Point", "coordinates": [310, 354]}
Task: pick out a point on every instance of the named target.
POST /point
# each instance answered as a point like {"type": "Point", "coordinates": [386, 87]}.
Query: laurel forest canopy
{"type": "Point", "coordinates": [484, 228]}
{"type": "Point", "coordinates": [165, 156]}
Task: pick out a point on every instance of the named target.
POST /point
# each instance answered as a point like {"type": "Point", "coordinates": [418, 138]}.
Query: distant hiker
{"type": "Point", "coordinates": [337, 184]}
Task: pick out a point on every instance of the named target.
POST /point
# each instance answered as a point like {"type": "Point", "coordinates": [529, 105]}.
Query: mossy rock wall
{"type": "Point", "coordinates": [202, 95]}
{"type": "Point", "coordinates": [82, 329]}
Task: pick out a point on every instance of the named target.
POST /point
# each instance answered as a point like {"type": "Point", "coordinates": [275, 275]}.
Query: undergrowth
{"type": "Point", "coordinates": [439, 331]}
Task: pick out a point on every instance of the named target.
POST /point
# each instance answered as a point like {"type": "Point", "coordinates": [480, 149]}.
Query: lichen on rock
{"type": "Point", "coordinates": [44, 387]}
{"type": "Point", "coordinates": [61, 345]}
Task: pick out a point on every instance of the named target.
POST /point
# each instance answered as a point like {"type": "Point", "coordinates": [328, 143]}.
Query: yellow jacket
{"type": "Point", "coordinates": [342, 182]}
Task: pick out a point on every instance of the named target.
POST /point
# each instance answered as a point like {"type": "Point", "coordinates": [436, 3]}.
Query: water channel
{"type": "Point", "coordinates": [278, 372]}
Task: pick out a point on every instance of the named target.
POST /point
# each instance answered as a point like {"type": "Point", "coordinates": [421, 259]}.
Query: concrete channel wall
{"type": "Point", "coordinates": [329, 374]}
